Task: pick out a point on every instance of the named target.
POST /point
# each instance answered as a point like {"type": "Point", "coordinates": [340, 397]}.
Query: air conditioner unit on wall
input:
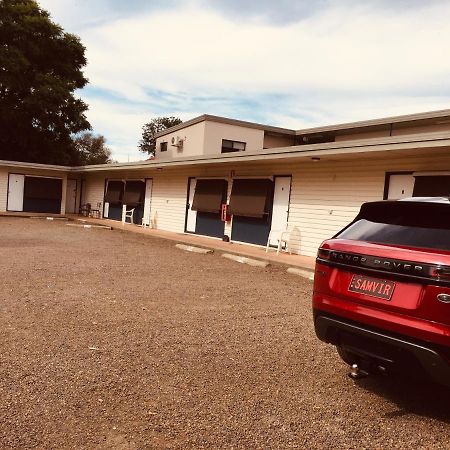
{"type": "Point", "coordinates": [177, 142]}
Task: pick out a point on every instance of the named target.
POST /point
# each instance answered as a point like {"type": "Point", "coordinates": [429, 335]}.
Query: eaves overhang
{"type": "Point", "coordinates": [434, 140]}
{"type": "Point", "coordinates": [28, 165]}
{"type": "Point", "coordinates": [440, 140]}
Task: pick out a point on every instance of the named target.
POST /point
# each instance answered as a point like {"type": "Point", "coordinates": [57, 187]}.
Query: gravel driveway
{"type": "Point", "coordinates": [110, 340]}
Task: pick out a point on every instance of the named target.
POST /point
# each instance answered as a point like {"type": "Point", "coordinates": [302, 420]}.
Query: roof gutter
{"type": "Point", "coordinates": [28, 165]}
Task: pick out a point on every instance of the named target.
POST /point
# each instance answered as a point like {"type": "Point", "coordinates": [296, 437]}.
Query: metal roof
{"type": "Point", "coordinates": [440, 114]}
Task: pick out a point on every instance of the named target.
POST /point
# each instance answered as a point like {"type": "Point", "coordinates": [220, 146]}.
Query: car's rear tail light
{"type": "Point", "coordinates": [323, 253]}
{"type": "Point", "coordinates": [441, 273]}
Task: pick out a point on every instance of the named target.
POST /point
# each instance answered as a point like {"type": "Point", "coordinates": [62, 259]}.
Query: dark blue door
{"type": "Point", "coordinates": [254, 230]}
{"type": "Point", "coordinates": [209, 224]}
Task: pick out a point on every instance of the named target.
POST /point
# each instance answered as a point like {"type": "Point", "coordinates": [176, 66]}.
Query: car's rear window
{"type": "Point", "coordinates": [402, 223]}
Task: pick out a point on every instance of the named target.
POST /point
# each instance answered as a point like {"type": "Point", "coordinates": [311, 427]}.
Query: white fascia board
{"type": "Point", "coordinates": [27, 165]}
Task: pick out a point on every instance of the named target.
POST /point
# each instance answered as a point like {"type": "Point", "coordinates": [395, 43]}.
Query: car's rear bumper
{"type": "Point", "coordinates": [383, 348]}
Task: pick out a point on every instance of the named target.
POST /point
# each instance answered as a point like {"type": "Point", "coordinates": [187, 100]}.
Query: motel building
{"type": "Point", "coordinates": [229, 179]}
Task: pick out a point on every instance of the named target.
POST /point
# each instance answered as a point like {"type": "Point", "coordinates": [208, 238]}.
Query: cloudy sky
{"type": "Point", "coordinates": [289, 63]}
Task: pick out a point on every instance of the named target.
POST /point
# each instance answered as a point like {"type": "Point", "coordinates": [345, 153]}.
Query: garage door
{"type": "Point", "coordinates": [34, 194]}
{"type": "Point", "coordinates": [42, 195]}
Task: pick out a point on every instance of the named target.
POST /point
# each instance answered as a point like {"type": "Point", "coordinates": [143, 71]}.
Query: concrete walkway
{"type": "Point", "coordinates": [250, 251]}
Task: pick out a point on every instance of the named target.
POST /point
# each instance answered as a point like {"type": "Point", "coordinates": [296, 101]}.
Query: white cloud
{"type": "Point", "coordinates": [340, 49]}
{"type": "Point", "coordinates": [341, 63]}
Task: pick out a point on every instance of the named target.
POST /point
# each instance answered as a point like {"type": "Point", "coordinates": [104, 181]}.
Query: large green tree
{"type": "Point", "coordinates": [92, 149]}
{"type": "Point", "coordinates": [40, 69]}
{"type": "Point", "coordinates": [147, 144]}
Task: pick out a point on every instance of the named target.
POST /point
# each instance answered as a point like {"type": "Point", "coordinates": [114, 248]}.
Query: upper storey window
{"type": "Point", "coordinates": [163, 146]}
{"type": "Point", "coordinates": [232, 146]}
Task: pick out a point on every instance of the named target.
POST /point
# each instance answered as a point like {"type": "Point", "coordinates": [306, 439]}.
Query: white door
{"type": "Point", "coordinates": [148, 200]}
{"type": "Point", "coordinates": [71, 196]}
{"type": "Point", "coordinates": [280, 211]}
{"type": "Point", "coordinates": [400, 186]}
{"type": "Point", "coordinates": [15, 192]}
{"type": "Point", "coordinates": [191, 215]}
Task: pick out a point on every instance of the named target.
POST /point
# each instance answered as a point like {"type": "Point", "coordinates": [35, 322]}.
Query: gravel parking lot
{"type": "Point", "coordinates": [110, 340]}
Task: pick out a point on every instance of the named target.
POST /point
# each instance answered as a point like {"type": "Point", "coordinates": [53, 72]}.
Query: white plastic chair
{"type": "Point", "coordinates": [282, 237]}
{"type": "Point", "coordinates": [128, 214]}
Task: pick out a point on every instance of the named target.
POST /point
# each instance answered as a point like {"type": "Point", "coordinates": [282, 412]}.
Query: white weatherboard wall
{"type": "Point", "coordinates": [325, 196]}
{"type": "Point", "coordinates": [94, 189]}
{"type": "Point", "coordinates": [3, 187]}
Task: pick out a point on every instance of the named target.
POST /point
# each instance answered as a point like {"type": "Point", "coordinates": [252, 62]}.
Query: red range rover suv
{"type": "Point", "coordinates": [382, 289]}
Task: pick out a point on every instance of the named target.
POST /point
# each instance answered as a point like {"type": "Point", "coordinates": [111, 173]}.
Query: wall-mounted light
{"type": "Point", "coordinates": [315, 159]}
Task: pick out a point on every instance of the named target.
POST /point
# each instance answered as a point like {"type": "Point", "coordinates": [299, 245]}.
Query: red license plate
{"type": "Point", "coordinates": [372, 286]}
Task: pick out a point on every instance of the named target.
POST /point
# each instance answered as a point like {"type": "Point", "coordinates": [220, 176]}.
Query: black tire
{"type": "Point", "coordinates": [346, 356]}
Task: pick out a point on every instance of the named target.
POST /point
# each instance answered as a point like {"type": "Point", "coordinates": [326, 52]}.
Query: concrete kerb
{"type": "Point", "coordinates": [245, 260]}
{"type": "Point", "coordinates": [309, 274]}
{"type": "Point", "coordinates": [86, 225]}
{"type": "Point", "coordinates": [191, 248]}
{"type": "Point", "coordinates": [49, 218]}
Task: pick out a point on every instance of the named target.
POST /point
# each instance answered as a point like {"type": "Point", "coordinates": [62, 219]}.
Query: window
{"type": "Point", "coordinates": [411, 224]}
{"type": "Point", "coordinates": [316, 138]}
{"type": "Point", "coordinates": [114, 191]}
{"type": "Point", "coordinates": [250, 197]}
{"type": "Point", "coordinates": [134, 193]}
{"type": "Point", "coordinates": [163, 146]}
{"type": "Point", "coordinates": [209, 195]}
{"type": "Point", "coordinates": [232, 146]}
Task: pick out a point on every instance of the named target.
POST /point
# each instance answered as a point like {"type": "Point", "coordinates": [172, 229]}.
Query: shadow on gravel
{"type": "Point", "coordinates": [419, 397]}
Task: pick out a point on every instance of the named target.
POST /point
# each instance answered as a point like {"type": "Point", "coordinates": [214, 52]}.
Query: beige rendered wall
{"type": "Point", "coordinates": [278, 141]}
{"type": "Point", "coordinates": [4, 171]}
{"type": "Point", "coordinates": [325, 196]}
{"type": "Point", "coordinates": [366, 135]}
{"type": "Point", "coordinates": [194, 138]}
{"type": "Point", "coordinates": [215, 132]}
{"type": "Point", "coordinates": [445, 127]}
{"type": "Point", "coordinates": [396, 131]}
{"type": "Point", "coordinates": [205, 138]}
